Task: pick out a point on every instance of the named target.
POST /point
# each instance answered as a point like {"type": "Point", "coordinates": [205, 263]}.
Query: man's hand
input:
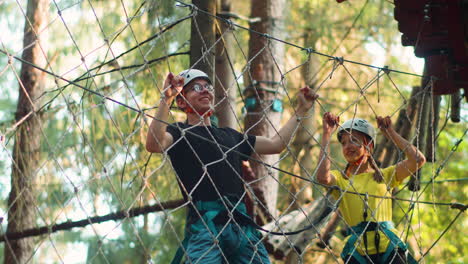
{"type": "Point", "coordinates": [173, 85]}
{"type": "Point", "coordinates": [306, 99]}
{"type": "Point", "coordinates": [330, 123]}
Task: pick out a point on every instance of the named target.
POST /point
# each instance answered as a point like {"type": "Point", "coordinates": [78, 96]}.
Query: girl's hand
{"type": "Point", "coordinates": [173, 85]}
{"type": "Point", "coordinates": [330, 123]}
{"type": "Point", "coordinates": [384, 124]}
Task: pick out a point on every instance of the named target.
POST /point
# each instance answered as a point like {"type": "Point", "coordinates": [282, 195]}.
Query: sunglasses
{"type": "Point", "coordinates": [199, 88]}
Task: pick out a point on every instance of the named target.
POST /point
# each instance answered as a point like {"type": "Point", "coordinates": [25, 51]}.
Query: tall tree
{"type": "Point", "coordinates": [267, 59]}
{"type": "Point", "coordinates": [202, 37]}
{"type": "Point", "coordinates": [21, 213]}
{"type": "Point", "coordinates": [225, 89]}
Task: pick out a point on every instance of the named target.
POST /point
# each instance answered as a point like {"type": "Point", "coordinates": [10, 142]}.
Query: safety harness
{"type": "Point", "coordinates": [360, 230]}
{"type": "Point", "coordinates": [356, 231]}
{"type": "Point", "coordinates": [212, 213]}
{"type": "Point", "coordinates": [219, 212]}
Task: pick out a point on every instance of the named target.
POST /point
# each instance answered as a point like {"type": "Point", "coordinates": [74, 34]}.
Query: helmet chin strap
{"type": "Point", "coordinates": [357, 163]}
{"type": "Point", "coordinates": [360, 161]}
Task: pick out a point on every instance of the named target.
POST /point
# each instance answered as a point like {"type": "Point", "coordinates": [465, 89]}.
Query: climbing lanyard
{"type": "Point", "coordinates": [360, 230]}
{"type": "Point", "coordinates": [364, 215]}
{"type": "Point", "coordinates": [246, 219]}
{"type": "Point", "coordinates": [220, 212]}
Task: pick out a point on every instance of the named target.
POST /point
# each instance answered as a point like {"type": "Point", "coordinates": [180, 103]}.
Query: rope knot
{"type": "Point", "coordinates": [385, 69]}
{"type": "Point", "coordinates": [230, 24]}
{"type": "Point", "coordinates": [339, 60]}
{"type": "Point", "coordinates": [309, 50]}
{"type": "Point", "coordinates": [193, 8]}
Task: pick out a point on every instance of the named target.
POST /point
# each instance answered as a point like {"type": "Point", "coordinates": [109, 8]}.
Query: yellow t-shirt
{"type": "Point", "coordinates": [379, 210]}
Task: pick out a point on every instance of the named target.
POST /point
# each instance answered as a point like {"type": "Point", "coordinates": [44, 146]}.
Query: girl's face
{"type": "Point", "coordinates": [353, 146]}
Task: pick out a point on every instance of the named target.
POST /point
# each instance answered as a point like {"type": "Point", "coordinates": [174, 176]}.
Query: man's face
{"type": "Point", "coordinates": [199, 95]}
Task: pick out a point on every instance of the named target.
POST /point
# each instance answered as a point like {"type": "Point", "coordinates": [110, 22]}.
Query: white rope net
{"type": "Point", "coordinates": [99, 197]}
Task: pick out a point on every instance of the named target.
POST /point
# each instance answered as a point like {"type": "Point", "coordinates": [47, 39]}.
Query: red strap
{"type": "Point", "coordinates": [359, 161]}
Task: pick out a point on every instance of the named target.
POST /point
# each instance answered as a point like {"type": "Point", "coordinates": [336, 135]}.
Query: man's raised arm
{"type": "Point", "coordinates": [158, 139]}
{"type": "Point", "coordinates": [278, 142]}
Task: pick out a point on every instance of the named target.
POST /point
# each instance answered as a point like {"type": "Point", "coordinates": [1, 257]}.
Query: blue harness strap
{"type": "Point", "coordinates": [208, 210]}
{"type": "Point", "coordinates": [385, 227]}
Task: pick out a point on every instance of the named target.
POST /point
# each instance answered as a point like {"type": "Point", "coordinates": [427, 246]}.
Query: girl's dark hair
{"type": "Point", "coordinates": [378, 175]}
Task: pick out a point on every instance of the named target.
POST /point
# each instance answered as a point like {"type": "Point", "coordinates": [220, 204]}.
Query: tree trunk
{"type": "Point", "coordinates": [433, 127]}
{"type": "Point", "coordinates": [303, 138]}
{"type": "Point", "coordinates": [264, 75]}
{"type": "Point", "coordinates": [226, 89]}
{"type": "Point", "coordinates": [302, 143]}
{"type": "Point", "coordinates": [202, 38]}
{"type": "Point", "coordinates": [329, 230]}
{"type": "Point", "coordinates": [455, 106]}
{"type": "Point", "coordinates": [421, 126]}
{"type": "Point", "coordinates": [26, 150]}
{"type": "Point", "coordinates": [315, 215]}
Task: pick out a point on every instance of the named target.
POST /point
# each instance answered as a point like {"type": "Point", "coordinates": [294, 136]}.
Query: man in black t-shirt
{"type": "Point", "coordinates": [207, 160]}
{"type": "Point", "coordinates": [210, 157]}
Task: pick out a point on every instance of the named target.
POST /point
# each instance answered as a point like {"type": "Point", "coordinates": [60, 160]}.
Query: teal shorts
{"type": "Point", "coordinates": [237, 245]}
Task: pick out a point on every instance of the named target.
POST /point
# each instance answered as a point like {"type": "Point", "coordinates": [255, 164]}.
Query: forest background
{"type": "Point", "coordinates": [92, 156]}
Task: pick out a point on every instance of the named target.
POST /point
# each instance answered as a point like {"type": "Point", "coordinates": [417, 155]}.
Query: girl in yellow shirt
{"type": "Point", "coordinates": [371, 236]}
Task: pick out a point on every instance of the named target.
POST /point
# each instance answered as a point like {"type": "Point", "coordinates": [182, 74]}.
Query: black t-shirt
{"type": "Point", "coordinates": [196, 160]}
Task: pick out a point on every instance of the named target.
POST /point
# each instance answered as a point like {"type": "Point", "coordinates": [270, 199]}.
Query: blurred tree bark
{"type": "Point", "coordinates": [26, 154]}
{"type": "Point", "coordinates": [263, 86]}
{"type": "Point", "coordinates": [226, 90]}
{"type": "Point", "coordinates": [203, 37]}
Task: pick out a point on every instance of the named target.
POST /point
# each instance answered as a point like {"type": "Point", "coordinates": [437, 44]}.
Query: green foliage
{"type": "Point", "coordinates": [93, 157]}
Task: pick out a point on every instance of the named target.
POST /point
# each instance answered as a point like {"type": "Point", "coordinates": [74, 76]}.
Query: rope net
{"type": "Point", "coordinates": [93, 194]}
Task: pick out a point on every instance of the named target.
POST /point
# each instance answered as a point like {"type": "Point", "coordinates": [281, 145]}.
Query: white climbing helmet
{"type": "Point", "coordinates": [191, 74]}
{"type": "Point", "coordinates": [360, 125]}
